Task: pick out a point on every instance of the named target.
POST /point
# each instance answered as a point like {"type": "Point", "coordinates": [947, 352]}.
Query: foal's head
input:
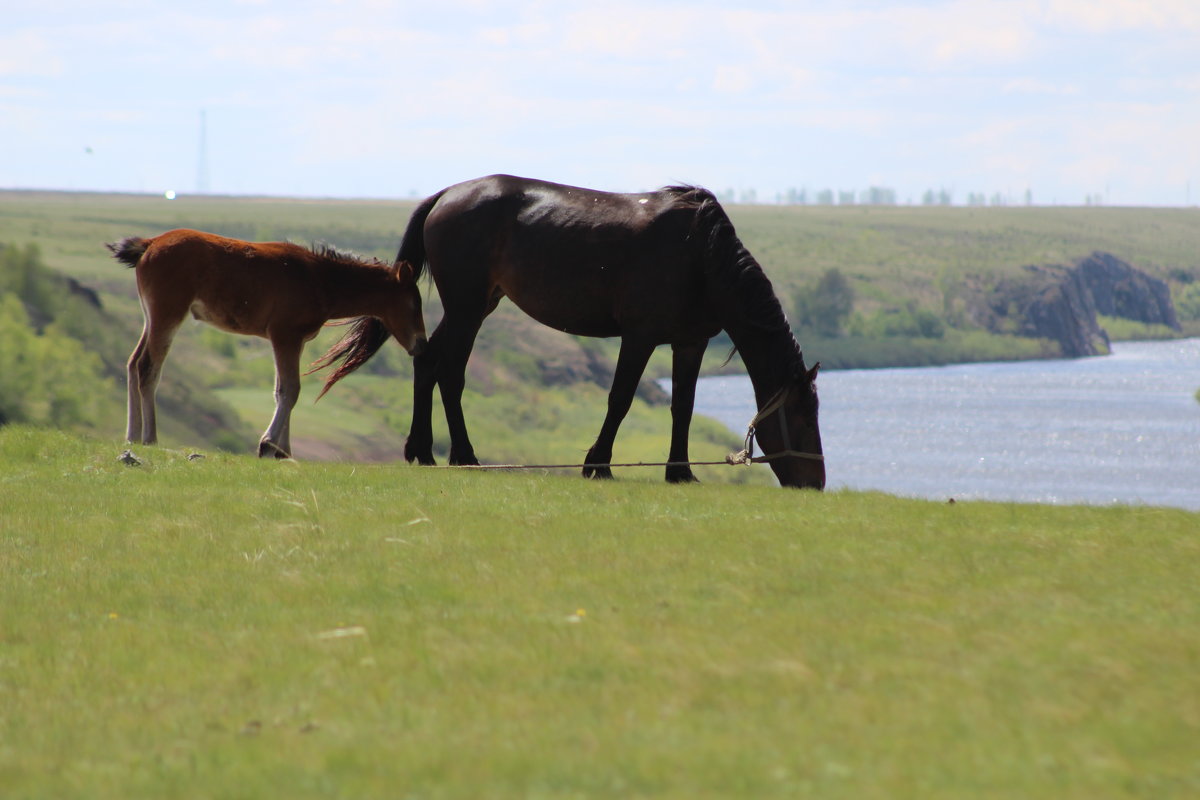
{"type": "Point", "coordinates": [403, 317]}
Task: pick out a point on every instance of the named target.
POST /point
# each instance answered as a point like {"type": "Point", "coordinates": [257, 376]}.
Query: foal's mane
{"type": "Point", "coordinates": [736, 273]}
{"type": "Point", "coordinates": [328, 252]}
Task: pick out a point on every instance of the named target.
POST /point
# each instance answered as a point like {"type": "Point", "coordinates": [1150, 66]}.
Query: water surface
{"type": "Point", "coordinates": [1123, 428]}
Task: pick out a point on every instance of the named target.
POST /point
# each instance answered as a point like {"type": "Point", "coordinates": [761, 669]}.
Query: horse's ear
{"type": "Point", "coordinates": [812, 373]}
{"type": "Point", "coordinates": [404, 272]}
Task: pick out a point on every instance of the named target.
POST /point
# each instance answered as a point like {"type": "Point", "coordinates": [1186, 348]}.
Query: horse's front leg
{"type": "Point", "coordinates": [277, 441]}
{"type": "Point", "coordinates": [631, 363]}
{"type": "Point", "coordinates": [685, 370]}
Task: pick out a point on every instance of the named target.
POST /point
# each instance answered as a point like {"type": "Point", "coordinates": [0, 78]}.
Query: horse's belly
{"type": "Point", "coordinates": [574, 319]}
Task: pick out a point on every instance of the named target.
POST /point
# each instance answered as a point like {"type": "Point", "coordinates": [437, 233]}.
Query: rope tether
{"type": "Point", "coordinates": [744, 456]}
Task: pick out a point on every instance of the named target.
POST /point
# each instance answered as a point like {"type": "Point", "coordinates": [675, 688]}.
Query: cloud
{"type": "Point", "coordinates": [1109, 16]}
{"type": "Point", "coordinates": [1039, 86]}
{"type": "Point", "coordinates": [27, 54]}
{"type": "Point", "coordinates": [732, 79]}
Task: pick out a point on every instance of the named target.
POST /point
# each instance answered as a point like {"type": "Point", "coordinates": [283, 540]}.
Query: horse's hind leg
{"type": "Point", "coordinates": [419, 446]}
{"type": "Point", "coordinates": [444, 363]}
{"type": "Point", "coordinates": [631, 363]}
{"type": "Point", "coordinates": [457, 342]}
{"type": "Point", "coordinates": [277, 440]}
{"type": "Point", "coordinates": [685, 370]}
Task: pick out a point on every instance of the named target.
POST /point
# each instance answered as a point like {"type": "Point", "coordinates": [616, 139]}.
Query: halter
{"type": "Point", "coordinates": [772, 406]}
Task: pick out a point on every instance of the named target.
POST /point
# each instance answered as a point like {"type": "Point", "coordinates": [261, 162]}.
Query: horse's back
{"type": "Point", "coordinates": [530, 225]}
{"type": "Point", "coordinates": [538, 206]}
{"type": "Point", "coordinates": [580, 260]}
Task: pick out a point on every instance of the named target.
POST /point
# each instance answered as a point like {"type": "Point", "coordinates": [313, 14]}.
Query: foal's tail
{"type": "Point", "coordinates": [362, 341]}
{"type": "Point", "coordinates": [368, 334]}
{"type": "Point", "coordinates": [129, 251]}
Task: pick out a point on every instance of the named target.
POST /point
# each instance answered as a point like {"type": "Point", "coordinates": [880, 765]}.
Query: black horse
{"type": "Point", "coordinates": [663, 267]}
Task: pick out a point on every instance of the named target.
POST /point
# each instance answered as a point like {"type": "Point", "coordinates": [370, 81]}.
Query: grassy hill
{"type": "Point", "coordinates": [896, 260]}
{"type": "Point", "coordinates": [229, 627]}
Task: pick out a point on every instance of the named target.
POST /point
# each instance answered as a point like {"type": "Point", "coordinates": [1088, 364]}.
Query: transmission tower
{"type": "Point", "coordinates": [202, 156]}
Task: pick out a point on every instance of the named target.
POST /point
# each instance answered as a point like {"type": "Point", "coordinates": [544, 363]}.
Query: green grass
{"type": "Point", "coordinates": [228, 627]}
{"type": "Point", "coordinates": [1127, 330]}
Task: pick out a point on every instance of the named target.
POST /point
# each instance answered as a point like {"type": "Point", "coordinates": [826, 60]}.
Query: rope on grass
{"type": "Point", "coordinates": [742, 457]}
{"type": "Point", "coordinates": [745, 456]}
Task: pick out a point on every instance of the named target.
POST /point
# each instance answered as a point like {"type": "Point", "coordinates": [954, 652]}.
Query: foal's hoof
{"type": "Point", "coordinates": [267, 449]}
{"type": "Point", "coordinates": [598, 473]}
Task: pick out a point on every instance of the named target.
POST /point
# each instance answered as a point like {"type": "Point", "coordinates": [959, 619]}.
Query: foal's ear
{"type": "Point", "coordinates": [404, 272]}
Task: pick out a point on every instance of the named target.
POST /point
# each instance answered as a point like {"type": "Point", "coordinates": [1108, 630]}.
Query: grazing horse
{"type": "Point", "coordinates": [663, 267]}
{"type": "Point", "coordinates": [277, 290]}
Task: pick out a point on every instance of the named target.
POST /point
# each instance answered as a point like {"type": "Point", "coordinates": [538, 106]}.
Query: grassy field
{"type": "Point", "coordinates": [893, 246]}
{"type": "Point", "coordinates": [228, 627]}
{"type": "Point", "coordinates": [895, 257]}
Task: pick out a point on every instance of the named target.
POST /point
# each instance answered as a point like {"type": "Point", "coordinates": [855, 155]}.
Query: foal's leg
{"type": "Point", "coordinates": [144, 370]}
{"type": "Point", "coordinates": [133, 426]}
{"type": "Point", "coordinates": [277, 439]}
{"type": "Point", "coordinates": [685, 369]}
{"type": "Point", "coordinates": [631, 363]}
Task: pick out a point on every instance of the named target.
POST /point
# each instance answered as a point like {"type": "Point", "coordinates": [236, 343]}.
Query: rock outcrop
{"type": "Point", "coordinates": [1061, 303]}
{"type": "Point", "coordinates": [1119, 290]}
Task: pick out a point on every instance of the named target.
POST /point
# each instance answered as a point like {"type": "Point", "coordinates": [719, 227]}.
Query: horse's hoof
{"type": "Point", "coordinates": [681, 475]}
{"type": "Point", "coordinates": [598, 473]}
{"type": "Point", "coordinates": [423, 455]}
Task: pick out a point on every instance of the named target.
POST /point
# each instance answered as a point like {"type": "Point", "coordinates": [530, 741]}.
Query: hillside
{"type": "Point", "coordinates": [902, 271]}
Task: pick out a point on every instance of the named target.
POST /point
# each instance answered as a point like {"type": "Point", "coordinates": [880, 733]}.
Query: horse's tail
{"type": "Point", "coordinates": [412, 246]}
{"type": "Point", "coordinates": [129, 251]}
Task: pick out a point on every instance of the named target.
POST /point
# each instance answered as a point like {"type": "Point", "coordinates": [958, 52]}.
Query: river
{"type": "Point", "coordinates": [1123, 428]}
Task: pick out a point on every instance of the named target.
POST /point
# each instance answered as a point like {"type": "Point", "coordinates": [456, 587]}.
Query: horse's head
{"type": "Point", "coordinates": [788, 434]}
{"type": "Point", "coordinates": [404, 319]}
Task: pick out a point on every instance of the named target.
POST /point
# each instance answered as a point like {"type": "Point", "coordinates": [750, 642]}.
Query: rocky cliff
{"type": "Point", "coordinates": [1061, 303]}
{"type": "Point", "coordinates": [1119, 290]}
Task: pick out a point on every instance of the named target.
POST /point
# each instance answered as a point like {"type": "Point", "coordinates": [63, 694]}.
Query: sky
{"type": "Point", "coordinates": [1054, 101]}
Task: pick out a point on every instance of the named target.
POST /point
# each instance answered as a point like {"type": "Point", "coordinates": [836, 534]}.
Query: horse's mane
{"type": "Point", "coordinates": [731, 267]}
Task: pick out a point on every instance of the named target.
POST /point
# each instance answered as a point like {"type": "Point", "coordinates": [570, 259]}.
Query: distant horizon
{"type": "Point", "coordinates": [410, 198]}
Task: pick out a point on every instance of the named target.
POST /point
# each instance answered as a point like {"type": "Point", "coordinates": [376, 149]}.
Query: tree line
{"type": "Point", "coordinates": [884, 196]}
